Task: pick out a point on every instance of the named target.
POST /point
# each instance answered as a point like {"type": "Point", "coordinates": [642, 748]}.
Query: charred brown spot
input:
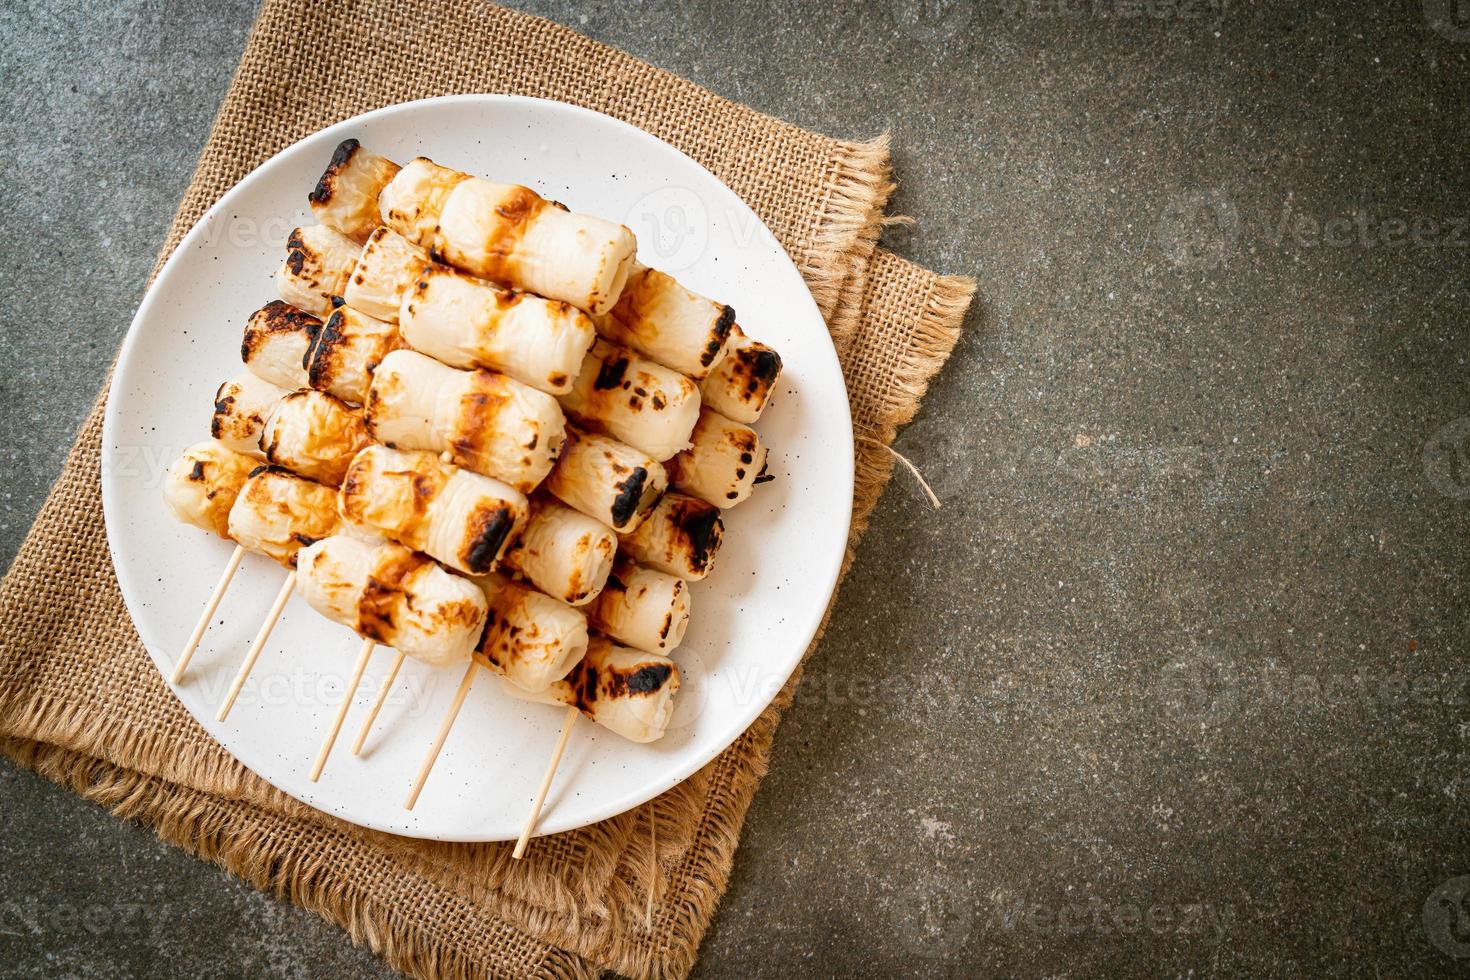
{"type": "Point", "coordinates": [516, 211]}
{"type": "Point", "coordinates": [658, 402]}
{"type": "Point", "coordinates": [326, 185]}
{"type": "Point", "coordinates": [490, 533]}
{"type": "Point", "coordinates": [384, 596]}
{"type": "Point", "coordinates": [197, 473]}
{"type": "Point", "coordinates": [630, 495]}
{"type": "Point", "coordinates": [557, 379]}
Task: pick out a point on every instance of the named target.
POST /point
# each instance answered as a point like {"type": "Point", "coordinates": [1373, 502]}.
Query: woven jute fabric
{"type": "Point", "coordinates": [81, 702]}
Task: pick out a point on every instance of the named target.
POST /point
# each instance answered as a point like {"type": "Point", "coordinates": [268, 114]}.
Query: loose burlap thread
{"type": "Point", "coordinates": [81, 703]}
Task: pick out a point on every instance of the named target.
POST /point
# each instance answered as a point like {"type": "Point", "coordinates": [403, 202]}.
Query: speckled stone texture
{"type": "Point", "coordinates": [1175, 681]}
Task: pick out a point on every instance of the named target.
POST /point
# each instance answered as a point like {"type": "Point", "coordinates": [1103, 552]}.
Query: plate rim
{"type": "Point", "coordinates": [832, 563]}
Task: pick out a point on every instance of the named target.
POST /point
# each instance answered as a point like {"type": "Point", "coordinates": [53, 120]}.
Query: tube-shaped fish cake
{"type": "Point", "coordinates": [670, 324]}
{"type": "Point", "coordinates": [510, 234]}
{"type": "Point", "coordinates": [313, 434]}
{"type": "Point", "coordinates": [681, 537]}
{"type": "Point", "coordinates": [241, 407]}
{"type": "Point", "coordinates": [348, 349]}
{"type": "Point", "coordinates": [625, 691]}
{"type": "Point", "coordinates": [385, 270]}
{"type": "Point", "coordinates": [484, 421]}
{"type": "Point", "coordinates": [202, 484]}
{"type": "Point", "coordinates": [413, 200]}
{"type": "Point", "coordinates": [470, 323]}
{"type": "Point", "coordinates": [642, 607]}
{"type": "Point", "coordinates": [633, 399]}
{"type": "Point", "coordinates": [740, 386]}
{"type": "Point", "coordinates": [319, 261]}
{"type": "Point", "coordinates": [278, 513]}
{"type": "Point", "coordinates": [277, 338]}
{"type": "Point", "coordinates": [346, 195]}
{"type": "Point", "coordinates": [724, 463]}
{"type": "Point", "coordinates": [461, 518]}
{"type": "Point", "coordinates": [607, 479]}
{"type": "Point", "coordinates": [531, 638]}
{"type": "Point", "coordinates": [565, 554]}
{"type": "Point", "coordinates": [398, 597]}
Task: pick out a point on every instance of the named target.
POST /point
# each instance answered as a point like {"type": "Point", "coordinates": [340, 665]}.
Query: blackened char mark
{"type": "Point", "coordinates": [765, 365]}
{"type": "Point", "coordinates": [485, 547]}
{"type": "Point", "coordinates": [610, 375]}
{"type": "Point", "coordinates": [647, 679]}
{"type": "Point", "coordinates": [718, 338]}
{"type": "Point", "coordinates": [701, 524]}
{"type": "Point", "coordinates": [277, 317]}
{"type": "Point", "coordinates": [630, 494]}
{"type": "Point", "coordinates": [341, 157]}
{"type": "Point", "coordinates": [587, 696]}
{"type": "Point", "coordinates": [222, 406]}
{"type": "Point", "coordinates": [316, 359]}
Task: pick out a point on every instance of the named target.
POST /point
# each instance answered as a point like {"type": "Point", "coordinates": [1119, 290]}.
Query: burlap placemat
{"type": "Point", "coordinates": [81, 702]}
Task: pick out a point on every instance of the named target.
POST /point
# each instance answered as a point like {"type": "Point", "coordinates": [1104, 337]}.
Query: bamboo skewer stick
{"type": "Point", "coordinates": [352, 684]}
{"type": "Point", "coordinates": [287, 587]}
{"type": "Point", "coordinates": [204, 617]}
{"type": "Point", "coordinates": [378, 702]}
{"type": "Point", "coordinates": [444, 726]}
{"type": "Point", "coordinates": [561, 744]}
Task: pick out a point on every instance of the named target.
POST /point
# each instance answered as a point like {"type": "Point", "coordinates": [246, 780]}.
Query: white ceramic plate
{"type": "Point", "coordinates": [751, 619]}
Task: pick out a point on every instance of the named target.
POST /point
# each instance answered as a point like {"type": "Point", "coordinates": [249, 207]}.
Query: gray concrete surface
{"type": "Point", "coordinates": [1174, 683]}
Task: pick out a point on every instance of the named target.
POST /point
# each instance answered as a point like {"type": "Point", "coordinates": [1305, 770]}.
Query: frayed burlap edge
{"type": "Point", "coordinates": [193, 821]}
{"type": "Point", "coordinates": [859, 187]}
